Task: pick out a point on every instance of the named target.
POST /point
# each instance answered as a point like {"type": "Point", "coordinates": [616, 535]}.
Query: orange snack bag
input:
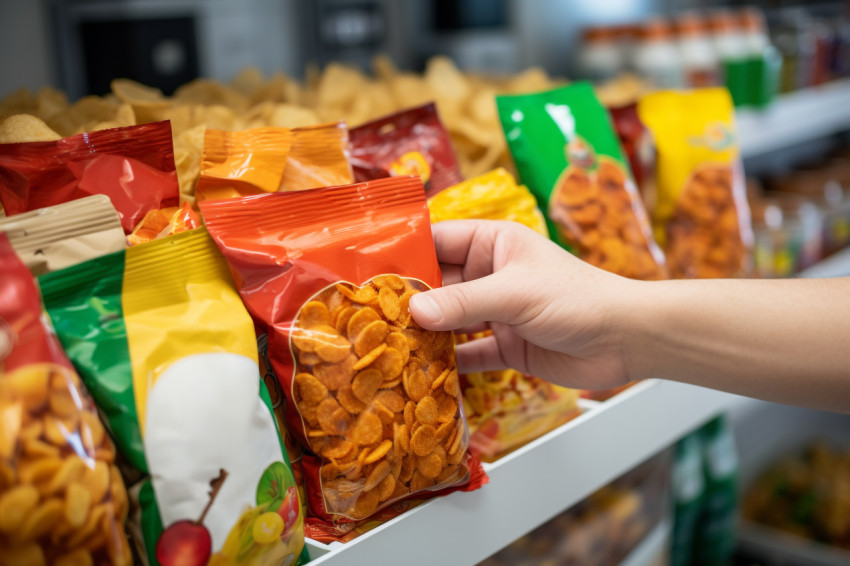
{"type": "Point", "coordinates": [374, 399]}
{"type": "Point", "coordinates": [269, 160]}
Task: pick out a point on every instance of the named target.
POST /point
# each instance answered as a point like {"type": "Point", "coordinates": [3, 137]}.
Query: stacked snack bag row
{"type": "Point", "coordinates": [251, 101]}
{"type": "Point", "coordinates": [315, 239]}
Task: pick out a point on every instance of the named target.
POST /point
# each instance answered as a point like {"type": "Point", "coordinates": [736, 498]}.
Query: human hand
{"type": "Point", "coordinates": [552, 315]}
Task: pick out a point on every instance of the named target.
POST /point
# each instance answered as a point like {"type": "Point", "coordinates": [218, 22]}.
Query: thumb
{"type": "Point", "coordinates": [464, 304]}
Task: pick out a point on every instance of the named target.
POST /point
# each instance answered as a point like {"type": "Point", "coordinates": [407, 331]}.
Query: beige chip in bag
{"type": "Point", "coordinates": [380, 401]}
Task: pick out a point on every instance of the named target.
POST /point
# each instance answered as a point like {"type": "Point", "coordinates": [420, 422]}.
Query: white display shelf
{"type": "Point", "coordinates": [536, 482]}
{"type": "Point", "coordinates": [795, 118]}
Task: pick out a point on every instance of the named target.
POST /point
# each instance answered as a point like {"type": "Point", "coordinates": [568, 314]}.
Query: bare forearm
{"type": "Point", "coordinates": [786, 341]}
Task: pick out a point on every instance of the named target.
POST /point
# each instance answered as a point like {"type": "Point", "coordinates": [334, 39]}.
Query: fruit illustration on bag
{"type": "Point", "coordinates": [290, 508]}
{"type": "Point", "coordinates": [277, 491]}
{"type": "Point", "coordinates": [186, 542]}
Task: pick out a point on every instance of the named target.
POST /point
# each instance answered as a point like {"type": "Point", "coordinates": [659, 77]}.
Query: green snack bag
{"type": "Point", "coordinates": [688, 490]}
{"type": "Point", "coordinates": [568, 154]}
{"type": "Point", "coordinates": [715, 536]}
{"type": "Point", "coordinates": [162, 340]}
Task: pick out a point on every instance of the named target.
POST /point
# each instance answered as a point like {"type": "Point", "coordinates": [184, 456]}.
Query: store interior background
{"type": "Point", "coordinates": [79, 45]}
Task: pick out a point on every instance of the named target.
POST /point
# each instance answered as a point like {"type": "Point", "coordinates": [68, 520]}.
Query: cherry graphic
{"type": "Point", "coordinates": [186, 542]}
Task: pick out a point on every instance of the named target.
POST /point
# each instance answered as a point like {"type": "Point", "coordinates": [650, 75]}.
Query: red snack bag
{"type": "Point", "coordinates": [410, 142]}
{"type": "Point", "coordinates": [62, 500]}
{"type": "Point", "coordinates": [133, 166]}
{"type": "Point", "coordinates": [639, 146]}
{"type": "Point", "coordinates": [327, 274]}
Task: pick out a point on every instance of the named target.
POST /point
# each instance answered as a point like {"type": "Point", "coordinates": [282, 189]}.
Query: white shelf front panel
{"type": "Point", "coordinates": [536, 482]}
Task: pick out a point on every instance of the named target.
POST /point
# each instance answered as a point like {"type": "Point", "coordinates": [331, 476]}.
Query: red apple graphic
{"type": "Point", "coordinates": [186, 542]}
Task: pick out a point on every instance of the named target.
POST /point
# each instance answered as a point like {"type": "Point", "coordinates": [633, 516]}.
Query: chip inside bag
{"type": "Point", "coordinates": [62, 500]}
{"type": "Point", "coordinates": [162, 340]}
{"type": "Point", "coordinates": [374, 398]}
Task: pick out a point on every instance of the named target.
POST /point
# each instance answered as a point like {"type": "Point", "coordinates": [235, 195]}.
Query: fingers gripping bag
{"type": "Point", "coordinates": [133, 166]}
{"type": "Point", "coordinates": [701, 215]}
{"type": "Point", "coordinates": [62, 500]}
{"type": "Point", "coordinates": [504, 409]}
{"type": "Point", "coordinates": [268, 160]}
{"type": "Point", "coordinates": [567, 153]}
{"type": "Point", "coordinates": [374, 398]}
{"type": "Point", "coordinates": [410, 142]}
{"type": "Point", "coordinates": [160, 336]}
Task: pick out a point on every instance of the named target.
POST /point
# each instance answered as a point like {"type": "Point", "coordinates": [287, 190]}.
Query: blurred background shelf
{"type": "Point", "coordinates": [654, 548]}
{"type": "Point", "coordinates": [538, 481]}
{"type": "Point", "coordinates": [836, 265]}
{"type": "Point", "coordinates": [795, 118]}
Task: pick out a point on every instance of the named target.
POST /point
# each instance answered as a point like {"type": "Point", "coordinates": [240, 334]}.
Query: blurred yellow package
{"type": "Point", "coordinates": [491, 196]}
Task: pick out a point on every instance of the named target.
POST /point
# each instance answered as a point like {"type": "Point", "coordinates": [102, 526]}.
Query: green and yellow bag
{"type": "Point", "coordinates": [162, 340]}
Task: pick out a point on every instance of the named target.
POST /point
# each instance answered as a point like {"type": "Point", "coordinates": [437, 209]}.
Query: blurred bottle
{"type": "Point", "coordinates": [601, 58]}
{"type": "Point", "coordinates": [699, 61]}
{"type": "Point", "coordinates": [688, 490]}
{"type": "Point", "coordinates": [798, 49]}
{"type": "Point", "coordinates": [627, 40]}
{"type": "Point", "coordinates": [763, 62]}
{"type": "Point", "coordinates": [822, 35]}
{"type": "Point", "coordinates": [715, 538]}
{"type": "Point", "coordinates": [788, 233]}
{"type": "Point", "coordinates": [732, 50]}
{"type": "Point", "coordinates": [655, 56]}
{"type": "Point", "coordinates": [841, 48]}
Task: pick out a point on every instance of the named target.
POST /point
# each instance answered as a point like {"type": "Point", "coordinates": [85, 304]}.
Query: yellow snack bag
{"type": "Point", "coordinates": [491, 196]}
{"type": "Point", "coordinates": [504, 409]}
{"type": "Point", "coordinates": [701, 217]}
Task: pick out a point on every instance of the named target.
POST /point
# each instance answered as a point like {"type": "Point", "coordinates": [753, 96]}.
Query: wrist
{"type": "Point", "coordinates": [635, 317]}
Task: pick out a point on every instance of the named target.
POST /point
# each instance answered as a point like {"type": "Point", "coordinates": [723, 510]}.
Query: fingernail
{"type": "Point", "coordinates": [427, 307]}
